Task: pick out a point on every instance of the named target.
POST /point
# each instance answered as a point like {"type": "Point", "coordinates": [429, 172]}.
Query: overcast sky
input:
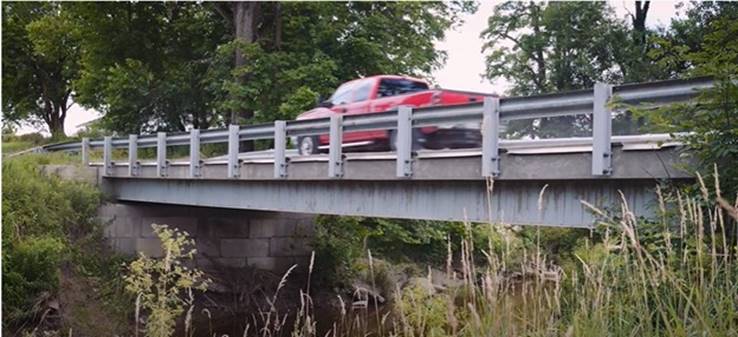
{"type": "Point", "coordinates": [465, 61]}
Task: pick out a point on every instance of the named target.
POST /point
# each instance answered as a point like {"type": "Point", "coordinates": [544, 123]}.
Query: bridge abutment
{"type": "Point", "coordinates": [271, 241]}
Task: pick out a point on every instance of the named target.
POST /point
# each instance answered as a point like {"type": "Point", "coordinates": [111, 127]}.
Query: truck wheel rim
{"type": "Point", "coordinates": [306, 146]}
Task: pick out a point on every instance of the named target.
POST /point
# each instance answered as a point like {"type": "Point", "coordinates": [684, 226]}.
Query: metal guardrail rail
{"type": "Point", "coordinates": [490, 112]}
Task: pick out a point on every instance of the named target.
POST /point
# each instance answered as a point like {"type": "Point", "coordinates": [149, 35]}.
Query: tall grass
{"type": "Point", "coordinates": [676, 276]}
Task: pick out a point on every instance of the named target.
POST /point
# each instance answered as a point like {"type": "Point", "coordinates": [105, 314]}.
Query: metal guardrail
{"type": "Point", "coordinates": [490, 112]}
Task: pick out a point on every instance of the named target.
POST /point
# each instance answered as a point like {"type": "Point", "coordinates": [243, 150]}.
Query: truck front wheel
{"type": "Point", "coordinates": [307, 145]}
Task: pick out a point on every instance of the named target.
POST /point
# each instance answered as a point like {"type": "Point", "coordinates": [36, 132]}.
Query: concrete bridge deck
{"type": "Point", "coordinates": [446, 185]}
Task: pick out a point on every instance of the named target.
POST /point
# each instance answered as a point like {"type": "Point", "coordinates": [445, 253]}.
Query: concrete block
{"type": "Point", "coordinates": [280, 227]}
{"type": "Point", "coordinates": [149, 246]}
{"type": "Point", "coordinates": [120, 226]}
{"type": "Point", "coordinates": [119, 209]}
{"type": "Point", "coordinates": [186, 224]}
{"type": "Point", "coordinates": [289, 247]}
{"type": "Point", "coordinates": [234, 262]}
{"type": "Point", "coordinates": [207, 246]}
{"type": "Point", "coordinates": [225, 227]}
{"type": "Point", "coordinates": [244, 247]}
{"type": "Point", "coordinates": [274, 264]}
{"type": "Point", "coordinates": [203, 263]}
{"type": "Point", "coordinates": [124, 245]}
{"type": "Point", "coordinates": [72, 173]}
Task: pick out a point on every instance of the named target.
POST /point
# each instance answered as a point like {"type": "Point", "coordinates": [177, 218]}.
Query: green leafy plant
{"type": "Point", "coordinates": [164, 286]}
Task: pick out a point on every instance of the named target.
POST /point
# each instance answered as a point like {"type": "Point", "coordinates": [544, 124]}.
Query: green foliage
{"type": "Point", "coordinates": [713, 118]}
{"type": "Point", "coordinates": [424, 313]}
{"type": "Point", "coordinates": [674, 275]}
{"type": "Point", "coordinates": [560, 46]}
{"type": "Point", "coordinates": [342, 242]}
{"type": "Point", "coordinates": [165, 66]}
{"type": "Point", "coordinates": [12, 143]}
{"type": "Point", "coordinates": [30, 269]}
{"type": "Point", "coordinates": [40, 61]}
{"type": "Point", "coordinates": [41, 217]}
{"type": "Point", "coordinates": [555, 47]}
{"type": "Point", "coordinates": [146, 65]}
{"type": "Point", "coordinates": [36, 205]}
{"type": "Point", "coordinates": [162, 284]}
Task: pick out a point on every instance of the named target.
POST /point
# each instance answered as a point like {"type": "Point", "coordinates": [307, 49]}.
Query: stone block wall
{"type": "Point", "coordinates": [232, 238]}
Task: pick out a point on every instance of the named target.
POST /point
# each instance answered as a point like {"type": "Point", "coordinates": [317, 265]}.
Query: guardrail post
{"type": "Point", "coordinates": [133, 164]}
{"type": "Point", "coordinates": [280, 147]}
{"type": "Point", "coordinates": [404, 143]}
{"type": "Point", "coordinates": [335, 150]}
{"type": "Point", "coordinates": [161, 154]}
{"type": "Point", "coordinates": [234, 167]}
{"type": "Point", "coordinates": [108, 156]}
{"type": "Point", "coordinates": [601, 131]}
{"type": "Point", "coordinates": [195, 163]}
{"type": "Point", "coordinates": [85, 151]}
{"type": "Point", "coordinates": [490, 137]}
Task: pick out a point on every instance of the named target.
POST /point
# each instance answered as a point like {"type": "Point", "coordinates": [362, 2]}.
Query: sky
{"type": "Point", "coordinates": [465, 62]}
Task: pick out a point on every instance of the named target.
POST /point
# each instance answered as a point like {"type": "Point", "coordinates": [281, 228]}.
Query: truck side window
{"type": "Point", "coordinates": [342, 94]}
{"type": "Point", "coordinates": [363, 91]}
{"type": "Point", "coordinates": [393, 87]}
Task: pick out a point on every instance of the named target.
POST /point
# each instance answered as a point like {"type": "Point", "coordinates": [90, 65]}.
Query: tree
{"type": "Point", "coordinates": [40, 62]}
{"type": "Point", "coordinates": [304, 50]}
{"type": "Point", "coordinates": [685, 36]}
{"type": "Point", "coordinates": [547, 48]}
{"type": "Point", "coordinates": [242, 19]}
{"type": "Point", "coordinates": [713, 120]}
{"type": "Point", "coordinates": [150, 66]}
{"type": "Point", "coordinates": [166, 66]}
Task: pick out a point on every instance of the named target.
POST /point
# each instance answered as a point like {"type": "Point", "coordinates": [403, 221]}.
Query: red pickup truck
{"type": "Point", "coordinates": [386, 92]}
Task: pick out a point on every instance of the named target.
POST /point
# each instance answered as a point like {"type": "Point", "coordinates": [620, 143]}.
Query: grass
{"type": "Point", "coordinates": [677, 276]}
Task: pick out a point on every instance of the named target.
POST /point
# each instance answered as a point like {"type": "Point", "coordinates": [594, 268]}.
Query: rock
{"type": "Point", "coordinates": [363, 293]}
{"type": "Point", "coordinates": [422, 283]}
{"type": "Point", "coordinates": [442, 280]}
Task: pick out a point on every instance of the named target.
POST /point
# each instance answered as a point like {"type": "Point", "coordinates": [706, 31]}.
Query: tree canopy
{"type": "Point", "coordinates": [168, 66]}
{"type": "Point", "coordinates": [40, 62]}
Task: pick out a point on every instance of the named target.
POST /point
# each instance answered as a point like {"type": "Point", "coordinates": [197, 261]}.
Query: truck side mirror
{"type": "Point", "coordinates": [326, 104]}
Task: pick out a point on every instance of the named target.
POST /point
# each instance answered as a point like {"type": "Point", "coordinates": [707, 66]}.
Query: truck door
{"type": "Point", "coordinates": [363, 93]}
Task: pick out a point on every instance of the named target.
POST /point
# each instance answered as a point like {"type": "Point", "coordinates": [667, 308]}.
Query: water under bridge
{"type": "Point", "coordinates": [522, 181]}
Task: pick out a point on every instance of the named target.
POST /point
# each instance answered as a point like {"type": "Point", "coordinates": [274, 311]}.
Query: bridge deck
{"type": "Point", "coordinates": [445, 186]}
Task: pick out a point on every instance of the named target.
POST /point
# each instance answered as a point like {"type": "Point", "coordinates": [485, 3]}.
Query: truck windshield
{"type": "Point", "coordinates": [393, 87]}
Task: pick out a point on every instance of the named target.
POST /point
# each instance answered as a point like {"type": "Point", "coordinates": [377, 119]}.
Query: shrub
{"type": "Point", "coordinates": [40, 215]}
{"type": "Point", "coordinates": [162, 284]}
{"type": "Point", "coordinates": [30, 268]}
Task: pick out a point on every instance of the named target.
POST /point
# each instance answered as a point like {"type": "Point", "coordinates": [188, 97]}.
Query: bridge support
{"type": "Point", "coordinates": [511, 202]}
{"type": "Point", "coordinates": [231, 238]}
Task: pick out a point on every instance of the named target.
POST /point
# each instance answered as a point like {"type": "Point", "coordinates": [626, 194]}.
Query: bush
{"type": "Point", "coordinates": [164, 286]}
{"type": "Point", "coordinates": [41, 215]}
{"type": "Point", "coordinates": [30, 268]}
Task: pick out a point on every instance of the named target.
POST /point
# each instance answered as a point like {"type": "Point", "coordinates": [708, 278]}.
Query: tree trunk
{"type": "Point", "coordinates": [639, 21]}
{"type": "Point", "coordinates": [56, 123]}
{"type": "Point", "coordinates": [244, 14]}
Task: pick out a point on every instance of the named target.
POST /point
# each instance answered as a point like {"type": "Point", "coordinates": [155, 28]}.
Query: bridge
{"type": "Point", "coordinates": [525, 181]}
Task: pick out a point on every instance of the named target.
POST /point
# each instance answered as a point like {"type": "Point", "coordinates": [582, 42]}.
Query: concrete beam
{"type": "Point", "coordinates": [508, 202]}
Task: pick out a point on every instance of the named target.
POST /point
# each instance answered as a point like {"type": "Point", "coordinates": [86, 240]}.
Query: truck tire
{"type": "Point", "coordinates": [307, 145]}
{"type": "Point", "coordinates": [416, 137]}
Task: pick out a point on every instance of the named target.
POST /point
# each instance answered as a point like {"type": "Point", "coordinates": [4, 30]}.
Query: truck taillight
{"type": "Point", "coordinates": [436, 98]}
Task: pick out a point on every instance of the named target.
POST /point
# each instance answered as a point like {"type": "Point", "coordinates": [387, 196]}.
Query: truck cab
{"type": "Point", "coordinates": [378, 94]}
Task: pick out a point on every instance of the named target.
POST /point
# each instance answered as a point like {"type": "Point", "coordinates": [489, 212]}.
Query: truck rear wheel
{"type": "Point", "coordinates": [307, 145]}
{"type": "Point", "coordinates": [417, 137]}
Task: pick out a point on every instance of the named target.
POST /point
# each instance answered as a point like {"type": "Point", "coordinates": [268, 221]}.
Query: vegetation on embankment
{"type": "Point", "coordinates": [57, 272]}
